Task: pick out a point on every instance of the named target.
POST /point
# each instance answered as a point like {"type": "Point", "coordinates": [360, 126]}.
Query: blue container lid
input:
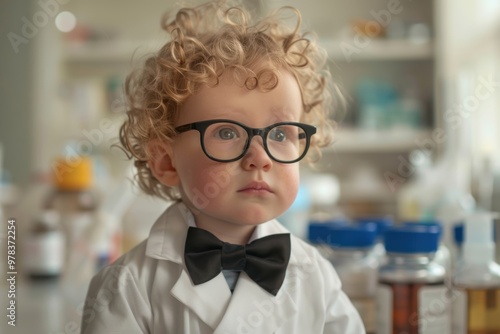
{"type": "Point", "coordinates": [458, 233]}
{"type": "Point", "coordinates": [352, 236]}
{"type": "Point", "coordinates": [382, 223]}
{"type": "Point", "coordinates": [317, 232]}
{"type": "Point", "coordinates": [413, 238]}
{"type": "Point", "coordinates": [425, 223]}
{"type": "Point", "coordinates": [318, 229]}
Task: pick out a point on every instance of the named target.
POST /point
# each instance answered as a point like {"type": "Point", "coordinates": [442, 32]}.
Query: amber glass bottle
{"type": "Point", "coordinates": [476, 280]}
{"type": "Point", "coordinates": [412, 295]}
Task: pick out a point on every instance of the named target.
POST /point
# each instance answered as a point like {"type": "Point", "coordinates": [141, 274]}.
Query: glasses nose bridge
{"type": "Point", "coordinates": [256, 132]}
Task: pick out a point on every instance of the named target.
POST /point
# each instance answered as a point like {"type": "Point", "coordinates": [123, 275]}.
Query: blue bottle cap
{"type": "Point", "coordinates": [414, 238]}
{"type": "Point", "coordinates": [458, 233]}
{"type": "Point", "coordinates": [426, 223]}
{"type": "Point", "coordinates": [318, 230]}
{"type": "Point", "coordinates": [382, 223]}
{"type": "Point", "coordinates": [352, 236]}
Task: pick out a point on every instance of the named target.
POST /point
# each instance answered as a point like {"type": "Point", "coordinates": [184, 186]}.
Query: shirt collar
{"type": "Point", "coordinates": [168, 234]}
{"type": "Point", "coordinates": [190, 221]}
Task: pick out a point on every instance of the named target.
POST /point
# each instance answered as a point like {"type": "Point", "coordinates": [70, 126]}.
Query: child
{"type": "Point", "coordinates": [218, 120]}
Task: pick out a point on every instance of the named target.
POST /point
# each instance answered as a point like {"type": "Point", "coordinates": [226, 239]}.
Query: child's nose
{"type": "Point", "coordinates": [256, 156]}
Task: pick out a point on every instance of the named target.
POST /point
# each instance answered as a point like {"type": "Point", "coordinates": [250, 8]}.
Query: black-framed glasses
{"type": "Point", "coordinates": [225, 140]}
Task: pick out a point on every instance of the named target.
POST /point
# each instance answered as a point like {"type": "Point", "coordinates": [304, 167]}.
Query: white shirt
{"type": "Point", "coordinates": [148, 290]}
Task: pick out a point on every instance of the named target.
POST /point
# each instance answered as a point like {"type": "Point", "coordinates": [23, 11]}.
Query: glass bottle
{"type": "Point", "coordinates": [476, 281]}
{"type": "Point", "coordinates": [443, 254]}
{"type": "Point", "coordinates": [412, 295]}
{"type": "Point", "coordinates": [73, 198]}
{"type": "Point", "coordinates": [382, 224]}
{"type": "Point", "coordinates": [356, 264]}
{"type": "Point", "coordinates": [44, 247]}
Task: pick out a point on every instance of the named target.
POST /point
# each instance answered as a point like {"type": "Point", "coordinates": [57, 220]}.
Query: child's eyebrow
{"type": "Point", "coordinates": [283, 114]}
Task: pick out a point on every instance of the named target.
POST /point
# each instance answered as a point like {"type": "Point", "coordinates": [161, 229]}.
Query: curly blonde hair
{"type": "Point", "coordinates": [207, 41]}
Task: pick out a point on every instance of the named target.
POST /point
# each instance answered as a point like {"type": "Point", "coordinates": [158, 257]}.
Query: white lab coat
{"type": "Point", "coordinates": [148, 290]}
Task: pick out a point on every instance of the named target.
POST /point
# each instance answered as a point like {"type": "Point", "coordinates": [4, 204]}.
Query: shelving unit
{"type": "Point", "coordinates": [119, 52]}
{"type": "Point", "coordinates": [352, 140]}
{"type": "Point", "coordinates": [388, 59]}
{"type": "Point", "coordinates": [359, 141]}
{"type": "Point", "coordinates": [87, 70]}
{"type": "Point", "coordinates": [56, 64]}
{"type": "Point", "coordinates": [376, 53]}
{"type": "Point", "coordinates": [357, 146]}
{"type": "Point", "coordinates": [378, 50]}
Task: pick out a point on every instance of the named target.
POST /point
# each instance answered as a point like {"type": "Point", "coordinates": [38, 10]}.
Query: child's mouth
{"type": "Point", "coordinates": [256, 187]}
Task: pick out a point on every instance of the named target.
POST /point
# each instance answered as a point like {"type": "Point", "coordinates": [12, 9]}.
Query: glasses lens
{"type": "Point", "coordinates": [286, 142]}
{"type": "Point", "coordinates": [225, 141]}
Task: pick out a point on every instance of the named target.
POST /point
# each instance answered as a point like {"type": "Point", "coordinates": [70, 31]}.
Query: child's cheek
{"type": "Point", "coordinates": [208, 181]}
{"type": "Point", "coordinates": [290, 184]}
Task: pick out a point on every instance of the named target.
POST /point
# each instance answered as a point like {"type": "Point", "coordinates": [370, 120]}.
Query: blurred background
{"type": "Point", "coordinates": [417, 141]}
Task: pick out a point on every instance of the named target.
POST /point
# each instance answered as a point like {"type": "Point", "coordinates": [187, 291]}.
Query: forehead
{"type": "Point", "coordinates": [231, 98]}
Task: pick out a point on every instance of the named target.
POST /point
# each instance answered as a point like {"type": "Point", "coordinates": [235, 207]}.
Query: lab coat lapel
{"type": "Point", "coordinates": [208, 301]}
{"type": "Point", "coordinates": [250, 309]}
{"type": "Point", "coordinates": [253, 310]}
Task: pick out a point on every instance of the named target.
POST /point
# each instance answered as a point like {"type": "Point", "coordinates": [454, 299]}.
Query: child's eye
{"type": "Point", "coordinates": [226, 133]}
{"type": "Point", "coordinates": [277, 134]}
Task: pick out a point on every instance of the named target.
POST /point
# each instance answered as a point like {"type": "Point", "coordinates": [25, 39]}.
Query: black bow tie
{"type": "Point", "coordinates": [264, 260]}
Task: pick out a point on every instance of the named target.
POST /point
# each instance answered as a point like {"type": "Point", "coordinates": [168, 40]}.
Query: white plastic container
{"type": "Point", "coordinates": [44, 248]}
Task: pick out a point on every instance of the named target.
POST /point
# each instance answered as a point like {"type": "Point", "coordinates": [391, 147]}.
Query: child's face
{"type": "Point", "coordinates": [228, 192]}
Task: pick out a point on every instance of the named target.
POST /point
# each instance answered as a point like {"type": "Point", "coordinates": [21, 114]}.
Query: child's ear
{"type": "Point", "coordinates": [161, 163]}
